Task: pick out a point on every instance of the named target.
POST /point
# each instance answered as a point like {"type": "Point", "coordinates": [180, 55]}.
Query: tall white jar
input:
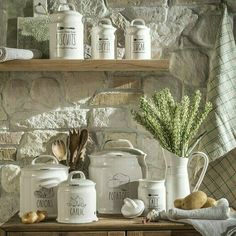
{"type": "Point", "coordinates": [103, 40]}
{"type": "Point", "coordinates": [153, 194]}
{"type": "Point", "coordinates": [137, 41]}
{"type": "Point", "coordinates": [66, 32]}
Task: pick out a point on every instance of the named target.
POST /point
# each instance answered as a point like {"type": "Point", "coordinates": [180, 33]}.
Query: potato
{"type": "Point", "coordinates": [41, 216]}
{"type": "Point", "coordinates": [194, 200]}
{"type": "Point", "coordinates": [209, 203]}
{"type": "Point", "coordinates": [29, 217]}
{"type": "Point", "coordinates": [178, 203]}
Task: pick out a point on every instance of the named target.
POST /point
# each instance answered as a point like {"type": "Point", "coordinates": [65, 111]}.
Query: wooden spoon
{"type": "Point", "coordinates": [59, 149]}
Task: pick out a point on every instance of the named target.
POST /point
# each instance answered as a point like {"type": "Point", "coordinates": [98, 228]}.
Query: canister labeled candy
{"type": "Point", "coordinates": [137, 41]}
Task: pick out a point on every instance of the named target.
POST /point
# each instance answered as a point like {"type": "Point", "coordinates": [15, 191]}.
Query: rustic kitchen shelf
{"type": "Point", "coordinates": [106, 226]}
{"type": "Point", "coordinates": [85, 65]}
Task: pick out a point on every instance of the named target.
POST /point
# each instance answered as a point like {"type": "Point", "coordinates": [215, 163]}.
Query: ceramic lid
{"type": "Point", "coordinates": [137, 24]}
{"type": "Point", "coordinates": [132, 208]}
{"type": "Point", "coordinates": [42, 163]}
{"type": "Point", "coordinates": [104, 24]}
{"type": "Point", "coordinates": [78, 181]}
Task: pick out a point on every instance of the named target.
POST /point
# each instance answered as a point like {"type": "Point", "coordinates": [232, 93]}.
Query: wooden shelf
{"type": "Point", "coordinates": [85, 65]}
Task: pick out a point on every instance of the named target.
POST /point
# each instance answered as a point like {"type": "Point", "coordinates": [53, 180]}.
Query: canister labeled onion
{"type": "Point", "coordinates": [38, 185]}
{"type": "Point", "coordinates": [103, 40]}
{"type": "Point", "coordinates": [153, 194]}
{"type": "Point", "coordinates": [137, 40]}
{"type": "Point", "coordinates": [77, 199]}
{"type": "Point", "coordinates": [66, 31]}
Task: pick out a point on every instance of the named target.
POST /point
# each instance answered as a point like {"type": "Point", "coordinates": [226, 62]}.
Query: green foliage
{"type": "Point", "coordinates": [173, 124]}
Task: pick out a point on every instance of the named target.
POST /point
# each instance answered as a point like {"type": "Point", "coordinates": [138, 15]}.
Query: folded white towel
{"type": "Point", "coordinates": [8, 54]}
{"type": "Point", "coordinates": [211, 213]}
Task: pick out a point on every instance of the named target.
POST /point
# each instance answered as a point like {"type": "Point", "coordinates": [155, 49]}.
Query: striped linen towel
{"type": "Point", "coordinates": [220, 179]}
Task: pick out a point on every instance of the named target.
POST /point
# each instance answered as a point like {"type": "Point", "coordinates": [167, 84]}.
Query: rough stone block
{"type": "Point", "coordinates": [115, 98]}
{"type": "Point", "coordinates": [190, 66]}
{"type": "Point", "coordinates": [37, 142]}
{"type": "Point", "coordinates": [108, 118]}
{"type": "Point", "coordinates": [195, 2]}
{"type": "Point", "coordinates": [7, 154]}
{"type": "Point", "coordinates": [79, 87]}
{"type": "Point", "coordinates": [10, 137]}
{"type": "Point", "coordinates": [205, 31]}
{"type": "Point", "coordinates": [132, 3]}
{"type": "Point", "coordinates": [33, 33]}
{"type": "Point", "coordinates": [124, 82]}
{"type": "Point", "coordinates": [69, 117]}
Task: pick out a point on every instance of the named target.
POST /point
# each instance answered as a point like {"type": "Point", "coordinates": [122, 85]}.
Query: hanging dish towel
{"type": "Point", "coordinates": [221, 92]}
{"type": "Point", "coordinates": [220, 178]}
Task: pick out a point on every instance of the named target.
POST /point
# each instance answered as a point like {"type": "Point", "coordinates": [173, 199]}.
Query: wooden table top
{"type": "Point", "coordinates": [105, 223]}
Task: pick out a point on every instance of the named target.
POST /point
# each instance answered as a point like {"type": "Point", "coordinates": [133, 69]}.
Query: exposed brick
{"type": "Point", "coordinates": [10, 137]}
{"type": "Point", "coordinates": [8, 154]}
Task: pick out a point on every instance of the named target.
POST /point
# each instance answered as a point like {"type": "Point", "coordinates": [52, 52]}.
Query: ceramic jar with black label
{"type": "Point", "coordinates": [153, 194]}
{"type": "Point", "coordinates": [77, 199]}
{"type": "Point", "coordinates": [103, 40]}
{"type": "Point", "coordinates": [66, 32]}
{"type": "Point", "coordinates": [137, 41]}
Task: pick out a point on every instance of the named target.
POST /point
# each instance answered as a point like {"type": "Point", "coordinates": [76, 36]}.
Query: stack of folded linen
{"type": "Point", "coordinates": [213, 221]}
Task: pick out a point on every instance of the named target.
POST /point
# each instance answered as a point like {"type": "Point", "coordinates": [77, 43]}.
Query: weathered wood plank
{"type": "Point", "coordinates": [85, 65]}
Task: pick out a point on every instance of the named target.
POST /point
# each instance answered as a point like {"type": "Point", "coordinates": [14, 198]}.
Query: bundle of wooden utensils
{"type": "Point", "coordinates": [72, 153]}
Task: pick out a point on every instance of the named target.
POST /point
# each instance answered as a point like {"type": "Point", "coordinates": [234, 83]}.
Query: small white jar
{"type": "Point", "coordinates": [103, 40]}
{"type": "Point", "coordinates": [76, 200]}
{"type": "Point", "coordinates": [153, 194]}
{"type": "Point", "coordinates": [137, 41]}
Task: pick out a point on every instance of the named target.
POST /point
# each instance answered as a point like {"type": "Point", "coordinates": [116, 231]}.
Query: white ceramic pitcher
{"type": "Point", "coordinates": [177, 179]}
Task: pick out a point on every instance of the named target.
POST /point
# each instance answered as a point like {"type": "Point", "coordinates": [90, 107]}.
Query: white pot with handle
{"type": "Point", "coordinates": [38, 185]}
{"type": "Point", "coordinates": [137, 41]}
{"type": "Point", "coordinates": [77, 199]}
{"type": "Point", "coordinates": [116, 171]}
{"type": "Point", "coordinates": [103, 40]}
{"type": "Point", "coordinates": [66, 31]}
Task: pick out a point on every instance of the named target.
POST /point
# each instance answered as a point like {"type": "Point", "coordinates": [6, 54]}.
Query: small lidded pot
{"type": "Point", "coordinates": [153, 194]}
{"type": "Point", "coordinates": [137, 41]}
{"type": "Point", "coordinates": [76, 199]}
{"type": "Point", "coordinates": [103, 40]}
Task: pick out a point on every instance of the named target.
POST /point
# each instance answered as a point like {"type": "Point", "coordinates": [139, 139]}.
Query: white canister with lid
{"type": "Point", "coordinates": [76, 199]}
{"type": "Point", "coordinates": [137, 41]}
{"type": "Point", "coordinates": [66, 32]}
{"type": "Point", "coordinates": [103, 40]}
{"type": "Point", "coordinates": [153, 194]}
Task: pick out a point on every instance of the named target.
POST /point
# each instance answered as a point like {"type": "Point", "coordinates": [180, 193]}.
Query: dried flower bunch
{"type": "Point", "coordinates": [173, 124]}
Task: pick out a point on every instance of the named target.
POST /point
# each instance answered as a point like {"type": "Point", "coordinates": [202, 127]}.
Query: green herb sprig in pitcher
{"type": "Point", "coordinates": [174, 124]}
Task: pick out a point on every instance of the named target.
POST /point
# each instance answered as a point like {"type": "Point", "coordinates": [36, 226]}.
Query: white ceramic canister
{"type": "Point", "coordinates": [38, 185]}
{"type": "Point", "coordinates": [77, 199]}
{"type": "Point", "coordinates": [66, 33]}
{"type": "Point", "coordinates": [137, 40]}
{"type": "Point", "coordinates": [116, 171]}
{"type": "Point", "coordinates": [153, 194]}
{"type": "Point", "coordinates": [103, 40]}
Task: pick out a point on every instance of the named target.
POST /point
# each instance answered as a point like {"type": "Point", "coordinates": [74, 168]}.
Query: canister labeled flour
{"type": "Point", "coordinates": [137, 41]}
{"type": "Point", "coordinates": [66, 32]}
{"type": "Point", "coordinates": [103, 40]}
{"type": "Point", "coordinates": [153, 194]}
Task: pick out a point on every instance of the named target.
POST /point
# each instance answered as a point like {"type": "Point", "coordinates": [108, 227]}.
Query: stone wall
{"type": "Point", "coordinates": [37, 108]}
